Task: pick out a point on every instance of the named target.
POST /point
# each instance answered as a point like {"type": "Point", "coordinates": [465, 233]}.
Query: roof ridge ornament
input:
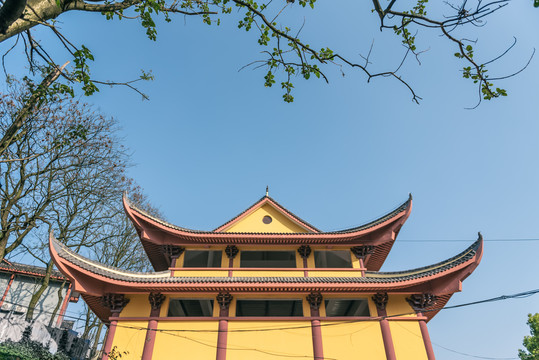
{"type": "Point", "coordinates": [267, 191]}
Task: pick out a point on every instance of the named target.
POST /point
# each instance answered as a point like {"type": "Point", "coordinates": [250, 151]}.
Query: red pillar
{"type": "Point", "coordinates": [362, 266]}
{"type": "Point", "coordinates": [380, 300]}
{"type": "Point", "coordinates": [11, 278]}
{"type": "Point", "coordinates": [231, 251]}
{"type": "Point", "coordinates": [108, 342]}
{"type": "Point", "coordinates": [224, 300]}
{"type": "Point", "coordinates": [156, 300]}
{"type": "Point", "coordinates": [304, 251]}
{"type": "Point", "coordinates": [426, 338]}
{"type": "Point", "coordinates": [315, 300]}
{"type": "Point", "coordinates": [388, 340]}
{"type": "Point", "coordinates": [222, 339]}
{"type": "Point", "coordinates": [64, 306]}
{"type": "Point", "coordinates": [116, 303]}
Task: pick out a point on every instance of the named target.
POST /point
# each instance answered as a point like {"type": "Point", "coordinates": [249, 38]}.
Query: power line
{"type": "Point", "coordinates": [459, 352]}
{"type": "Point", "coordinates": [173, 332]}
{"type": "Point", "coordinates": [467, 241]}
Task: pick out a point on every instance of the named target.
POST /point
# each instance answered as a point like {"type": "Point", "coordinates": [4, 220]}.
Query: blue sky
{"type": "Point", "coordinates": [211, 138]}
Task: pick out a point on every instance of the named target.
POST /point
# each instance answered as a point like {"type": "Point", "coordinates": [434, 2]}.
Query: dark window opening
{"type": "Point", "coordinates": [333, 259]}
{"type": "Point", "coordinates": [190, 307]}
{"type": "Point", "coordinates": [202, 258]}
{"type": "Point", "coordinates": [347, 307]}
{"type": "Point", "coordinates": [269, 308]}
{"type": "Point", "coordinates": [268, 259]}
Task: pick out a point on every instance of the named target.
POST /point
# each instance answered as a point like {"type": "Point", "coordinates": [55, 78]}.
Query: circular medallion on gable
{"type": "Point", "coordinates": [267, 219]}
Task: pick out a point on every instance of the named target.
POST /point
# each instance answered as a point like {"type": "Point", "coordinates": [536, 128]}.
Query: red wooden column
{"type": "Point", "coordinates": [11, 278]}
{"type": "Point", "coordinates": [380, 300]}
{"type": "Point", "coordinates": [224, 300]}
{"type": "Point", "coordinates": [315, 300]}
{"type": "Point", "coordinates": [231, 251]}
{"type": "Point", "coordinates": [64, 306]}
{"type": "Point", "coordinates": [304, 251]}
{"type": "Point", "coordinates": [156, 300]}
{"type": "Point", "coordinates": [419, 303]}
{"type": "Point", "coordinates": [116, 303]}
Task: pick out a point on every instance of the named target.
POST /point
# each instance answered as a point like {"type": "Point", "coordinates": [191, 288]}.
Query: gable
{"type": "Point", "coordinates": [253, 222]}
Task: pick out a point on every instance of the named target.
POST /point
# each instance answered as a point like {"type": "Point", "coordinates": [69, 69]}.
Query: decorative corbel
{"type": "Point", "coordinates": [115, 302]}
{"type": "Point", "coordinates": [304, 251]}
{"type": "Point", "coordinates": [421, 302]}
{"type": "Point", "coordinates": [156, 300]}
{"type": "Point", "coordinates": [315, 300]}
{"type": "Point", "coordinates": [380, 300]}
{"type": "Point", "coordinates": [224, 299]}
{"type": "Point", "coordinates": [361, 252]}
{"type": "Point", "coordinates": [172, 252]}
{"type": "Point", "coordinates": [231, 251]}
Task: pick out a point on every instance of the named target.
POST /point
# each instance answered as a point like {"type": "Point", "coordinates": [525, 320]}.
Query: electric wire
{"type": "Point", "coordinates": [467, 240]}
{"type": "Point", "coordinates": [173, 332]}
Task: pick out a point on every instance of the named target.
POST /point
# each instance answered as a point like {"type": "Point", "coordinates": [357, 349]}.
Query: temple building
{"type": "Point", "coordinates": [267, 285]}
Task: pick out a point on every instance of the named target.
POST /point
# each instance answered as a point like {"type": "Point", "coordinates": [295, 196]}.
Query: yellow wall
{"type": "Point", "coordinates": [129, 337]}
{"type": "Point", "coordinates": [188, 340]}
{"type": "Point", "coordinates": [138, 306]}
{"type": "Point", "coordinates": [407, 340]}
{"type": "Point", "coordinates": [253, 222]}
{"type": "Point", "coordinates": [352, 341]}
{"type": "Point", "coordinates": [281, 343]}
{"type": "Point", "coordinates": [397, 305]}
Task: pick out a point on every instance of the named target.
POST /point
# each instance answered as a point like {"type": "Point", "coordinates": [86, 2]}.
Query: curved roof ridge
{"type": "Point", "coordinates": [131, 205]}
{"type": "Point", "coordinates": [458, 259]}
{"type": "Point", "coordinates": [403, 207]}
{"type": "Point", "coordinates": [95, 266]}
{"type": "Point", "coordinates": [165, 276]}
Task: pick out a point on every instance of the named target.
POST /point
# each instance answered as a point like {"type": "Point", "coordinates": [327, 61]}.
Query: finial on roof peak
{"type": "Point", "coordinates": [267, 190]}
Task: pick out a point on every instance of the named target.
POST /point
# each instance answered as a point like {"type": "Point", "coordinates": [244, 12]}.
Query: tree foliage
{"type": "Point", "coordinates": [531, 342]}
{"type": "Point", "coordinates": [286, 55]}
{"type": "Point", "coordinates": [64, 171]}
{"type": "Point", "coordinates": [27, 350]}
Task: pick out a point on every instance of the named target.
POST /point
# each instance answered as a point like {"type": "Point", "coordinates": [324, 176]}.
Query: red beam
{"type": "Point", "coordinates": [7, 289]}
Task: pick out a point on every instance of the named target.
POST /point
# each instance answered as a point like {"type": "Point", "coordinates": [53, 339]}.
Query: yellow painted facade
{"type": "Point", "coordinates": [129, 339]}
{"type": "Point", "coordinates": [407, 340]}
{"type": "Point", "coordinates": [268, 338]}
{"type": "Point", "coordinates": [186, 340]}
{"type": "Point", "coordinates": [343, 340]}
{"type": "Point", "coordinates": [253, 222]}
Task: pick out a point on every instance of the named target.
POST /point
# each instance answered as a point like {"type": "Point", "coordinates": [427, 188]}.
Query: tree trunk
{"type": "Point", "coordinates": [58, 304]}
{"type": "Point", "coordinates": [39, 292]}
{"type": "Point", "coordinates": [97, 340]}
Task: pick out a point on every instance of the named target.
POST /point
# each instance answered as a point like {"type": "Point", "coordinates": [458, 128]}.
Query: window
{"type": "Point", "coordinates": [268, 259]}
{"type": "Point", "coordinates": [190, 307]}
{"type": "Point", "coordinates": [269, 308]}
{"type": "Point", "coordinates": [347, 307]}
{"type": "Point", "coordinates": [202, 258]}
{"type": "Point", "coordinates": [333, 259]}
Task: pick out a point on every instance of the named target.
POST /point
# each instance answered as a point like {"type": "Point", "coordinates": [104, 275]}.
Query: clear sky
{"type": "Point", "coordinates": [211, 138]}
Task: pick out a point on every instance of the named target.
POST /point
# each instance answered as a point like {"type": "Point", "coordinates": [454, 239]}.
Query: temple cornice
{"type": "Point", "coordinates": [380, 233]}
{"type": "Point", "coordinates": [94, 279]}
